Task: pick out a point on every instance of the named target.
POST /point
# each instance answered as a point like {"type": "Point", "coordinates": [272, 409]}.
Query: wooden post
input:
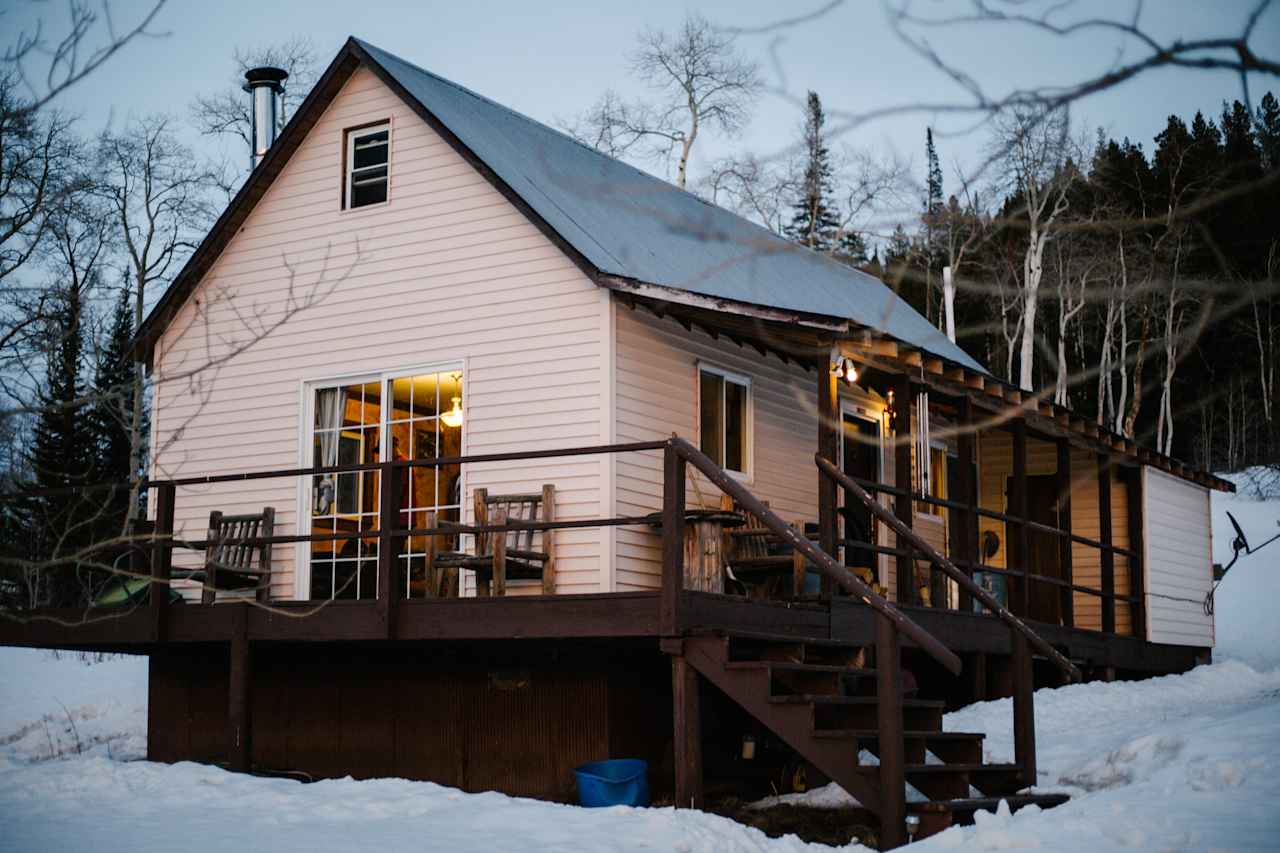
{"type": "Point", "coordinates": [893, 774]}
{"type": "Point", "coordinates": [239, 692]}
{"type": "Point", "coordinates": [1024, 714]}
{"type": "Point", "coordinates": [162, 560]}
{"type": "Point", "coordinates": [673, 474]}
{"type": "Point", "coordinates": [1018, 500]}
{"type": "Point", "coordinates": [688, 733]}
{"type": "Point", "coordinates": [1137, 580]}
{"type": "Point", "coordinates": [1108, 558]}
{"type": "Point", "coordinates": [1064, 523]}
{"type": "Point", "coordinates": [829, 449]}
{"type": "Point", "coordinates": [388, 588]}
{"type": "Point", "coordinates": [978, 676]}
{"type": "Point", "coordinates": [902, 481]}
{"type": "Point", "coordinates": [966, 520]}
{"type": "Point", "coordinates": [549, 540]}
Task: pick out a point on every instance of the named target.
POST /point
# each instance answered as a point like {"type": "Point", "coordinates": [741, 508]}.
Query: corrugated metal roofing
{"type": "Point", "coordinates": [630, 224]}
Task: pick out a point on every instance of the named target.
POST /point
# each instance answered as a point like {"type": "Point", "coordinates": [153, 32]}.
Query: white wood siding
{"type": "Point", "coordinates": [1178, 559]}
{"type": "Point", "coordinates": [656, 394]}
{"type": "Point", "coordinates": [447, 271]}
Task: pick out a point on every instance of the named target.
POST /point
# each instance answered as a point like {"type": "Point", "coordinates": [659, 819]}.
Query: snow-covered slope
{"type": "Point", "coordinates": [1182, 762]}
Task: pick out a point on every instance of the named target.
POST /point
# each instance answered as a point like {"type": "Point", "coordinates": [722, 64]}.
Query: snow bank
{"type": "Point", "coordinates": [1246, 625]}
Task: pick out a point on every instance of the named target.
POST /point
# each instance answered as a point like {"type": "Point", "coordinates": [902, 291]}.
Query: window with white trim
{"type": "Point", "coordinates": [368, 160]}
{"type": "Point", "coordinates": [724, 418]}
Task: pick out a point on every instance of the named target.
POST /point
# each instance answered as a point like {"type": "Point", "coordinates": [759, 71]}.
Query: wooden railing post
{"type": "Point", "coordinates": [893, 778]}
{"type": "Point", "coordinates": [902, 503]}
{"type": "Point", "coordinates": [1064, 523]}
{"type": "Point", "coordinates": [829, 449]}
{"type": "Point", "coordinates": [687, 743]}
{"type": "Point", "coordinates": [1024, 714]}
{"type": "Point", "coordinates": [388, 545]}
{"type": "Point", "coordinates": [162, 559]}
{"type": "Point", "coordinates": [1107, 556]}
{"type": "Point", "coordinates": [673, 474]}
{"type": "Point", "coordinates": [1022, 553]}
{"type": "Point", "coordinates": [1137, 582]}
{"type": "Point", "coordinates": [966, 520]}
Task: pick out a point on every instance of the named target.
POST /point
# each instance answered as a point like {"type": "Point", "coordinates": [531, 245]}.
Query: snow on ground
{"type": "Point", "coordinates": [1181, 762]}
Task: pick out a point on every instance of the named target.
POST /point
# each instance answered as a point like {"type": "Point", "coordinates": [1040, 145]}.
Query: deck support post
{"type": "Point", "coordinates": [162, 560]}
{"type": "Point", "coordinates": [687, 741]}
{"type": "Point", "coordinates": [1107, 556]}
{"type": "Point", "coordinates": [893, 778]}
{"type": "Point", "coordinates": [673, 476]}
{"type": "Point", "coordinates": [239, 695]}
{"type": "Point", "coordinates": [903, 483]}
{"type": "Point", "coordinates": [1137, 584]}
{"type": "Point", "coordinates": [966, 520]}
{"type": "Point", "coordinates": [1064, 523]}
{"type": "Point", "coordinates": [1024, 714]}
{"type": "Point", "coordinates": [1018, 499]}
{"type": "Point", "coordinates": [389, 499]}
{"type": "Point", "coordinates": [829, 449]}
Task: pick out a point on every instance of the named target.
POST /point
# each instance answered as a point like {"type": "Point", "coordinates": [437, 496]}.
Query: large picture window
{"type": "Point", "coordinates": [724, 418]}
{"type": "Point", "coordinates": [410, 416]}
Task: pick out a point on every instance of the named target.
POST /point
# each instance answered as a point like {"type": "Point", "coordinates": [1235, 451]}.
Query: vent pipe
{"type": "Point", "coordinates": [265, 85]}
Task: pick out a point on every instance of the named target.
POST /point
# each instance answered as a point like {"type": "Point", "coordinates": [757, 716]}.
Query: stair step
{"type": "Point", "coordinates": [960, 811]}
{"type": "Point", "coordinates": [874, 734]}
{"type": "Point", "coordinates": [782, 639]}
{"type": "Point", "coordinates": [789, 666]}
{"type": "Point", "coordinates": [821, 699]}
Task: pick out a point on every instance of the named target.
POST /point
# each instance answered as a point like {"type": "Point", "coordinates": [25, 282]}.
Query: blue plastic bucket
{"type": "Point", "coordinates": [619, 782]}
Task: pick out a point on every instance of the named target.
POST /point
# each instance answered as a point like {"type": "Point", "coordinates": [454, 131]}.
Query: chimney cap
{"type": "Point", "coordinates": [265, 75]}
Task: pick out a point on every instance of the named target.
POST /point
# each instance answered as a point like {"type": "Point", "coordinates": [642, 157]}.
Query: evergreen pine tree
{"type": "Point", "coordinates": [109, 419]}
{"type": "Point", "coordinates": [1268, 129]}
{"type": "Point", "coordinates": [933, 213]}
{"type": "Point", "coordinates": [62, 455]}
{"type": "Point", "coordinates": [813, 222]}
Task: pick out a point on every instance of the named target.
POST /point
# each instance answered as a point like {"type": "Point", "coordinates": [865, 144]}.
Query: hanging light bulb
{"type": "Point", "coordinates": [453, 417]}
{"type": "Point", "coordinates": [850, 372]}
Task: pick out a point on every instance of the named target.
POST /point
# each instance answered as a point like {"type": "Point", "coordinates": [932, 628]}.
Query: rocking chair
{"type": "Point", "coordinates": [229, 557]}
{"type": "Point", "coordinates": [501, 556]}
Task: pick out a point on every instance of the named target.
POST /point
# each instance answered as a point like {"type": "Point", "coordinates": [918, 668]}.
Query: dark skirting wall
{"type": "Point", "coordinates": [480, 717]}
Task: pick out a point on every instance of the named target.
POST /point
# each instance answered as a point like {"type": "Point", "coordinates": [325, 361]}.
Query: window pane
{"type": "Point", "coordinates": [369, 192]}
{"type": "Point", "coordinates": [735, 426]}
{"type": "Point", "coordinates": [370, 149]}
{"type": "Point", "coordinates": [710, 411]}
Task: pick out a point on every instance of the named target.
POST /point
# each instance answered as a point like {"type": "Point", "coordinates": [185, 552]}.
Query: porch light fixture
{"type": "Point", "coordinates": [453, 417]}
{"type": "Point", "coordinates": [846, 370]}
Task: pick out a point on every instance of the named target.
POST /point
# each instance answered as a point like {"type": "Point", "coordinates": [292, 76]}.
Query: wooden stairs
{"type": "Point", "coordinates": [821, 698]}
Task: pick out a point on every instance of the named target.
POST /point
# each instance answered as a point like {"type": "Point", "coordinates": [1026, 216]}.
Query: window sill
{"type": "Point", "coordinates": [352, 211]}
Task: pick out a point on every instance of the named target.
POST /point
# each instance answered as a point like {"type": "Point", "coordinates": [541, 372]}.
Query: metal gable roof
{"type": "Point", "coordinates": [630, 224]}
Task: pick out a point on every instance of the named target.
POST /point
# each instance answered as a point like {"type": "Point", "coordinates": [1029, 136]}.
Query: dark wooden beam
{"type": "Point", "coordinates": [1018, 509]}
{"type": "Point", "coordinates": [162, 560]}
{"type": "Point", "coordinates": [966, 491]}
{"type": "Point", "coordinates": [1064, 523]}
{"type": "Point", "coordinates": [892, 745]}
{"type": "Point", "coordinates": [673, 474]}
{"type": "Point", "coordinates": [1104, 536]}
{"type": "Point", "coordinates": [1024, 714]}
{"type": "Point", "coordinates": [902, 480]}
{"type": "Point", "coordinates": [829, 449]}
{"type": "Point", "coordinates": [389, 592]}
{"type": "Point", "coordinates": [1137, 565]}
{"type": "Point", "coordinates": [239, 698]}
{"type": "Point", "coordinates": [687, 713]}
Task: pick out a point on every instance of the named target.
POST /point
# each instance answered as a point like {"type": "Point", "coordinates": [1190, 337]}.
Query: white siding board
{"type": "Point", "coordinates": [447, 271]}
{"type": "Point", "coordinates": [1178, 559]}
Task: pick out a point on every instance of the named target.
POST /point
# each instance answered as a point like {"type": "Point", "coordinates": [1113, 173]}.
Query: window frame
{"type": "Point", "coordinates": [349, 135]}
{"type": "Point", "coordinates": [748, 416]}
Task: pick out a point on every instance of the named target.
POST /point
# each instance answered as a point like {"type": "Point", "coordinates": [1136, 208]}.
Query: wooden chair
{"type": "Point", "coordinates": [231, 562]}
{"type": "Point", "coordinates": [748, 559]}
{"type": "Point", "coordinates": [500, 557]}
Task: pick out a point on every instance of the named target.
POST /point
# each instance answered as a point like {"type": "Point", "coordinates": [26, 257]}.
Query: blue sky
{"type": "Point", "coordinates": [550, 60]}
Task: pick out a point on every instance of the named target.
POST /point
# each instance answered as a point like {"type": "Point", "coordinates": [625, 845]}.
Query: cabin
{"type": "Point", "coordinates": [478, 455]}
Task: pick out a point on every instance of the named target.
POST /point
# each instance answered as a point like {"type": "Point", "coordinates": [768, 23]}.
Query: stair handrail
{"type": "Point", "coordinates": [826, 564]}
{"type": "Point", "coordinates": [950, 569]}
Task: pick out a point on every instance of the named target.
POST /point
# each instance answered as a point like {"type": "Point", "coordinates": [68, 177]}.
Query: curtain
{"type": "Point", "coordinates": [331, 405]}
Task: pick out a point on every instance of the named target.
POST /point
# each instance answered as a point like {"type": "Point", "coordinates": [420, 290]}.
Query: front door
{"type": "Point", "coordinates": [860, 459]}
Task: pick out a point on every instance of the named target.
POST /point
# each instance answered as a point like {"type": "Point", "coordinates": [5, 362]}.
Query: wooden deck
{"type": "Point", "coordinates": [560, 617]}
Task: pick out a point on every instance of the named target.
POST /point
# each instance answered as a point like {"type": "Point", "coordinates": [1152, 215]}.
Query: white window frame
{"type": "Point", "coordinates": [307, 396]}
{"type": "Point", "coordinates": [349, 137]}
{"type": "Point", "coordinates": [749, 444]}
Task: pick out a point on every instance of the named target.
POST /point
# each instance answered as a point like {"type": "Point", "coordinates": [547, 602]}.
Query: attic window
{"type": "Point", "coordinates": [368, 157]}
